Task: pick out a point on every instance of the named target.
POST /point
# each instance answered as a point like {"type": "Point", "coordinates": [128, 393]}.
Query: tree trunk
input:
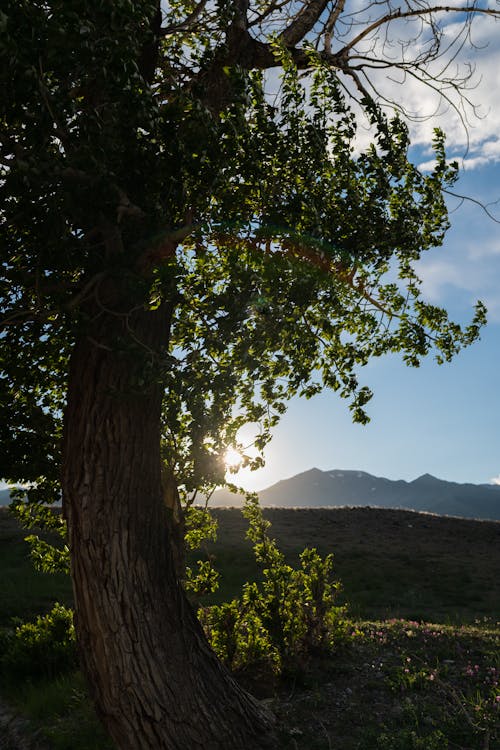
{"type": "Point", "coordinates": [156, 683]}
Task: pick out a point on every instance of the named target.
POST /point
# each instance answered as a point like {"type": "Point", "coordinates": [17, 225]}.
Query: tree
{"type": "Point", "coordinates": [180, 254]}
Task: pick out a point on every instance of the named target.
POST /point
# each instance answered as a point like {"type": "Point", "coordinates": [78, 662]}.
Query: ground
{"type": "Point", "coordinates": [398, 682]}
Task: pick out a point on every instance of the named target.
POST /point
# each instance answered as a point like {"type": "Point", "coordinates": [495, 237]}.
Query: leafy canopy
{"type": "Point", "coordinates": [287, 254]}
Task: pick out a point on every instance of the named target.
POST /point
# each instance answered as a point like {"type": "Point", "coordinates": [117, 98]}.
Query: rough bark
{"type": "Point", "coordinates": [156, 683]}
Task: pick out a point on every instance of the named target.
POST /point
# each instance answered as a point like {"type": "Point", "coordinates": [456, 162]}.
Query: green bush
{"type": "Point", "coordinates": [275, 626]}
{"type": "Point", "coordinates": [279, 623]}
{"type": "Point", "coordinates": [43, 648]}
{"type": "Point", "coordinates": [201, 578]}
{"type": "Point", "coordinates": [409, 740]}
{"type": "Point", "coordinates": [47, 557]}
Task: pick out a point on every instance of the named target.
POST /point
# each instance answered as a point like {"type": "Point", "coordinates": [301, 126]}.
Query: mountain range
{"type": "Point", "coordinates": [4, 497]}
{"type": "Point", "coordinates": [315, 488]}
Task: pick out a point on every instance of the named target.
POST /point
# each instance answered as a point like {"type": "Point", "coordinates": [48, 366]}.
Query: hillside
{"type": "Point", "coordinates": [335, 488]}
{"type": "Point", "coordinates": [4, 497]}
{"type": "Point", "coordinates": [392, 563]}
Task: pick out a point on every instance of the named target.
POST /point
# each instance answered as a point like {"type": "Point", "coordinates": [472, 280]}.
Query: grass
{"type": "Point", "coordinates": [392, 563]}
{"type": "Point", "coordinates": [61, 713]}
{"type": "Point", "coordinates": [402, 685]}
{"type": "Point", "coordinates": [24, 592]}
{"type": "Point", "coordinates": [399, 684]}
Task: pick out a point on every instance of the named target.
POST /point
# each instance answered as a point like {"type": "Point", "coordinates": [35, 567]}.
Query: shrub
{"type": "Point", "coordinates": [275, 626]}
{"type": "Point", "coordinates": [47, 557]}
{"type": "Point", "coordinates": [409, 740]}
{"type": "Point", "coordinates": [279, 623]}
{"type": "Point", "coordinates": [200, 526]}
{"type": "Point", "coordinates": [43, 648]}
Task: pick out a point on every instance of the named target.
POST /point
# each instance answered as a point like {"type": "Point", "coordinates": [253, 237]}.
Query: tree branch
{"type": "Point", "coordinates": [303, 22]}
{"type": "Point", "coordinates": [165, 248]}
{"type": "Point", "coordinates": [399, 14]}
{"type": "Point", "coordinates": [148, 60]}
{"type": "Point", "coordinates": [483, 206]}
{"type": "Point", "coordinates": [187, 24]}
{"type": "Point", "coordinates": [331, 23]}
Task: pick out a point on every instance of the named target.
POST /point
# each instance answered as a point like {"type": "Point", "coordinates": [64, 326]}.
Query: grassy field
{"type": "Point", "coordinates": [391, 563]}
{"type": "Point", "coordinates": [23, 591]}
{"type": "Point", "coordinates": [420, 671]}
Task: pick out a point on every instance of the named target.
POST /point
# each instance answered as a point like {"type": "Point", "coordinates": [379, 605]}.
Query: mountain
{"type": "Point", "coordinates": [315, 488]}
{"type": "Point", "coordinates": [4, 497]}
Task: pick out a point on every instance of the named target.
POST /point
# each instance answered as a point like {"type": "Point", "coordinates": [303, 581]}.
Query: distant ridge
{"type": "Point", "coordinates": [315, 488]}
{"type": "Point", "coordinates": [4, 497]}
{"type": "Point", "coordinates": [335, 488]}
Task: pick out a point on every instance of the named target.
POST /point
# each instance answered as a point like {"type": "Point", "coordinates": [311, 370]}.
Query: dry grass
{"type": "Point", "coordinates": [392, 563]}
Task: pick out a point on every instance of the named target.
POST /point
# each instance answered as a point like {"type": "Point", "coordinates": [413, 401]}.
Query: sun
{"type": "Point", "coordinates": [233, 459]}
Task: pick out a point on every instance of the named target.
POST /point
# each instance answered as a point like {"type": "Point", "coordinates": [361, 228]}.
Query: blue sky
{"type": "Point", "coordinates": [445, 419]}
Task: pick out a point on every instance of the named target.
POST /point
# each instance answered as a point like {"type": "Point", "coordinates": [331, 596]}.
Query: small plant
{"type": "Point", "coordinates": [470, 694]}
{"type": "Point", "coordinates": [239, 636]}
{"type": "Point", "coordinates": [480, 704]}
{"type": "Point", "coordinates": [47, 557]}
{"type": "Point", "coordinates": [43, 648]}
{"type": "Point", "coordinates": [279, 623]}
{"type": "Point", "coordinates": [412, 676]}
{"type": "Point", "coordinates": [200, 526]}
{"type": "Point", "coordinates": [410, 740]}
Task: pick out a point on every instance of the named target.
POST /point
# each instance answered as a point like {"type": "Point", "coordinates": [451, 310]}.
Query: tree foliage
{"type": "Point", "coordinates": [289, 253]}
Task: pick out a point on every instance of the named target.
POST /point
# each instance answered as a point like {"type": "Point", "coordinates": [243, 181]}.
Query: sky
{"type": "Point", "coordinates": [444, 420]}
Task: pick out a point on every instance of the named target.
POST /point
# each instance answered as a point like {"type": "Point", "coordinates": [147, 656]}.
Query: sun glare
{"type": "Point", "coordinates": [233, 459]}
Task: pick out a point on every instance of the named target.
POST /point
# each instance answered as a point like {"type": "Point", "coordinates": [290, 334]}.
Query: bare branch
{"type": "Point", "coordinates": [398, 14]}
{"type": "Point", "coordinates": [85, 292]}
{"type": "Point", "coordinates": [331, 23]}
{"type": "Point", "coordinates": [482, 206]}
{"type": "Point", "coordinates": [272, 8]}
{"type": "Point", "coordinates": [303, 22]}
{"type": "Point", "coordinates": [59, 131]}
{"type": "Point", "coordinates": [38, 312]}
{"type": "Point", "coordinates": [18, 317]}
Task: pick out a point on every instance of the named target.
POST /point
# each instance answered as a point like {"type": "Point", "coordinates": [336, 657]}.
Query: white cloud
{"type": "Point", "coordinates": [484, 248]}
{"type": "Point", "coordinates": [466, 269]}
{"type": "Point", "coordinates": [472, 127]}
{"type": "Point", "coordinates": [481, 154]}
{"type": "Point", "coordinates": [495, 480]}
{"type": "Point", "coordinates": [437, 274]}
{"type": "Point", "coordinates": [427, 166]}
